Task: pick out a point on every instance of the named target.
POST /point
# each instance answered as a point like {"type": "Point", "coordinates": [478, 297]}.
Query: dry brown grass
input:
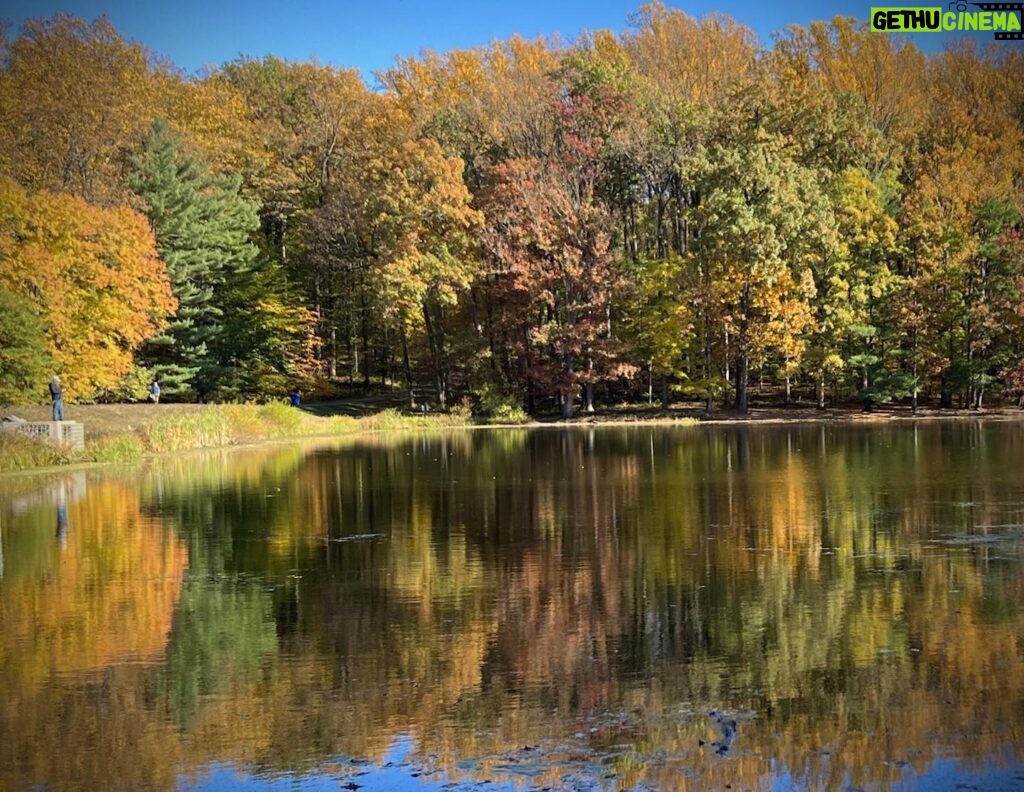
{"type": "Point", "coordinates": [105, 419]}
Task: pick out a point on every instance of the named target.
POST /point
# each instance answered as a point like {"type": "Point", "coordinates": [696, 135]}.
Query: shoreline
{"type": "Point", "coordinates": [135, 427]}
{"type": "Point", "coordinates": [784, 415]}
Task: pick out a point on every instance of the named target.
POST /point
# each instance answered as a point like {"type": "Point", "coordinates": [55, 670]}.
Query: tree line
{"type": "Point", "coordinates": [674, 209]}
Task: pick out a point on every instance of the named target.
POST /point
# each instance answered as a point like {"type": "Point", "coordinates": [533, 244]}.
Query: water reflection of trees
{"type": "Point", "coordinates": [486, 590]}
{"type": "Point", "coordinates": [84, 618]}
{"type": "Point", "coordinates": [844, 591]}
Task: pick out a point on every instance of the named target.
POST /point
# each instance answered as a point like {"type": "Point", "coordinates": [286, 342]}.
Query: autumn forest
{"type": "Point", "coordinates": [674, 211]}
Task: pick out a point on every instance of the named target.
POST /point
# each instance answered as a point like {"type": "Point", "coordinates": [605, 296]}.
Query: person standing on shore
{"type": "Point", "coordinates": [154, 392]}
{"type": "Point", "coordinates": [57, 398]}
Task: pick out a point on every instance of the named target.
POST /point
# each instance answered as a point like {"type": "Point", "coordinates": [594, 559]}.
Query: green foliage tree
{"type": "Point", "coordinates": [660, 318]}
{"type": "Point", "coordinates": [751, 218]}
{"type": "Point", "coordinates": [24, 361]}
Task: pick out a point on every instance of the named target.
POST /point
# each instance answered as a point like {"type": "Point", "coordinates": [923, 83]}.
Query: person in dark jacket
{"type": "Point", "coordinates": [57, 398]}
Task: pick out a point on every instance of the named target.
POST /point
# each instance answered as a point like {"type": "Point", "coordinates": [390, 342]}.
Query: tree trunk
{"type": "Point", "coordinates": [946, 397]}
{"type": "Point", "coordinates": [435, 341]}
{"type": "Point", "coordinates": [531, 390]}
{"type": "Point", "coordinates": [565, 400]}
{"type": "Point", "coordinates": [728, 371]}
{"type": "Point", "coordinates": [634, 244]}
{"type": "Point", "coordinates": [364, 330]}
{"type": "Point", "coordinates": [490, 337]}
{"type": "Point", "coordinates": [664, 392]}
{"type": "Point", "coordinates": [742, 381]}
{"type": "Point", "coordinates": [407, 367]}
{"type": "Point", "coordinates": [588, 388]}
{"type": "Point", "coordinates": [708, 362]}
{"type": "Point", "coordinates": [742, 358]}
{"type": "Point", "coordinates": [567, 394]}
{"type": "Point", "coordinates": [387, 361]}
{"type": "Point", "coordinates": [351, 353]}
{"type": "Point", "coordinates": [660, 224]}
{"type": "Point", "coordinates": [334, 352]}
{"type": "Point", "coordinates": [913, 396]}
{"type": "Point", "coordinates": [321, 324]}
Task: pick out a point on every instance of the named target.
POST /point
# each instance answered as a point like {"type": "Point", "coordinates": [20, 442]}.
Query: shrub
{"type": "Point", "coordinates": [463, 410]}
{"type": "Point", "coordinates": [509, 414]}
{"type": "Point", "coordinates": [500, 407]}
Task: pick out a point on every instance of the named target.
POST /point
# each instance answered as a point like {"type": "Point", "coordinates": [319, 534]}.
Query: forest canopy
{"type": "Point", "coordinates": [675, 208]}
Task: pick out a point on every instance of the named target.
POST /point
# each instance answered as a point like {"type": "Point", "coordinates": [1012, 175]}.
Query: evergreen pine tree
{"type": "Point", "coordinates": [203, 230]}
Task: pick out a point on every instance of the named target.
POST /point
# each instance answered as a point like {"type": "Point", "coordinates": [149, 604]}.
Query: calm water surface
{"type": "Point", "coordinates": [776, 608]}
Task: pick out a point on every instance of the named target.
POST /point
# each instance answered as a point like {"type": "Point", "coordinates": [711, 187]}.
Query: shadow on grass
{"type": "Point", "coordinates": [358, 407]}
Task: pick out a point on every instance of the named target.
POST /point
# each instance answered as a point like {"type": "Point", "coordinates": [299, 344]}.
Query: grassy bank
{"type": "Point", "coordinates": [134, 431]}
{"type": "Point", "coordinates": [124, 433]}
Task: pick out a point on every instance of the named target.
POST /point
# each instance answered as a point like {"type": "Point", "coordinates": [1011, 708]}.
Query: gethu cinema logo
{"type": "Point", "coordinates": [1003, 19]}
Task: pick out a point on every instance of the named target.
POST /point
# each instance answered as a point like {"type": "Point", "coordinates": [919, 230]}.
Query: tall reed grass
{"type": "Point", "coordinates": [23, 452]}
{"type": "Point", "coordinates": [232, 424]}
{"type": "Point", "coordinates": [209, 427]}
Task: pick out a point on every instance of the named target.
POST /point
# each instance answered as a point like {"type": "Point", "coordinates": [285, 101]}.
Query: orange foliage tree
{"type": "Point", "coordinates": [91, 274]}
{"type": "Point", "coordinates": [76, 100]}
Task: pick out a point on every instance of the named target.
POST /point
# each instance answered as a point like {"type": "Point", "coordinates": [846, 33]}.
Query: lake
{"type": "Point", "coordinates": [810, 606]}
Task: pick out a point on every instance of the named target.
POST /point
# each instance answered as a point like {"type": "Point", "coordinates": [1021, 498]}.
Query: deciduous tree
{"type": "Point", "coordinates": [76, 101]}
{"type": "Point", "coordinates": [93, 277]}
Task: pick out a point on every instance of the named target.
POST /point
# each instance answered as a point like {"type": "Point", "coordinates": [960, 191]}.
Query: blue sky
{"type": "Point", "coordinates": [369, 34]}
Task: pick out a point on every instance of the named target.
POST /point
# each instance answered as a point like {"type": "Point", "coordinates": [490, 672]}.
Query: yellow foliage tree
{"type": "Point", "coordinates": [76, 99]}
{"type": "Point", "coordinates": [92, 274]}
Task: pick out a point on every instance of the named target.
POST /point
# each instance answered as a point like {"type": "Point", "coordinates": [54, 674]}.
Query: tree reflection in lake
{"type": "Point", "coordinates": [809, 606]}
